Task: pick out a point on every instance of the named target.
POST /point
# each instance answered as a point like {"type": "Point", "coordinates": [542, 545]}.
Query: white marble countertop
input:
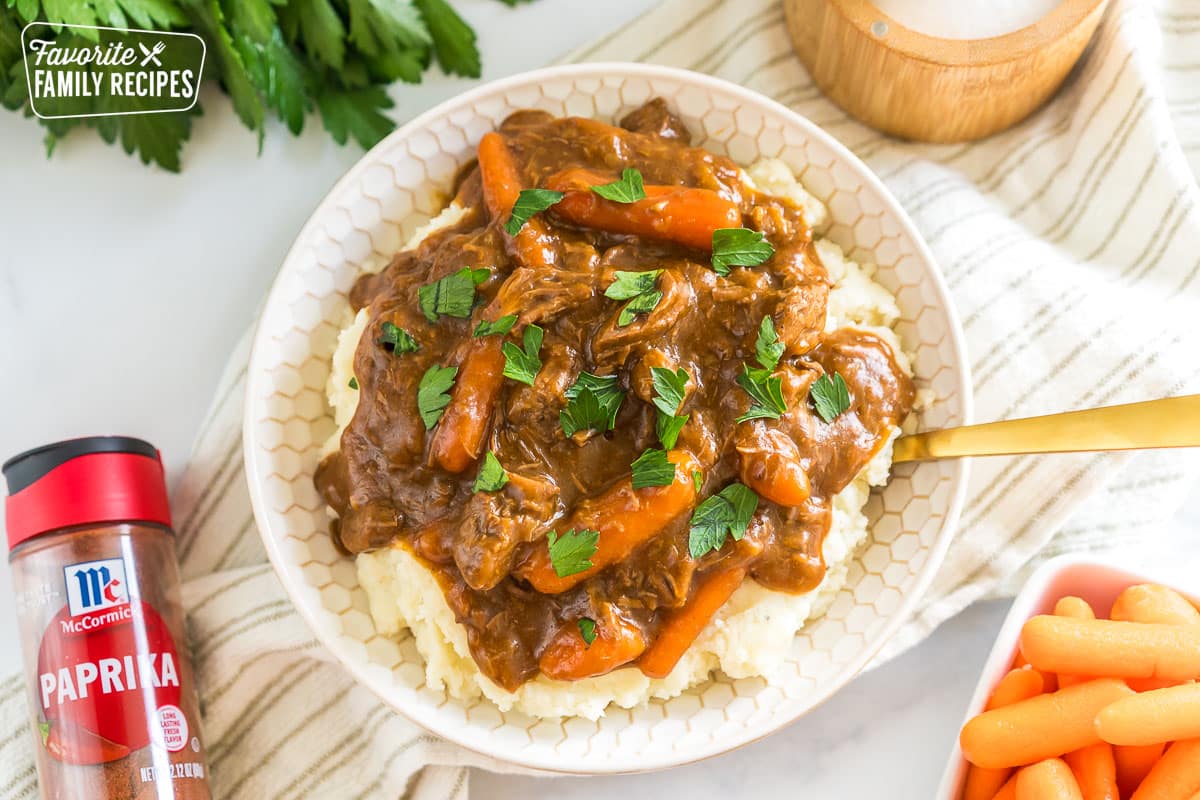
{"type": "Point", "coordinates": [123, 288]}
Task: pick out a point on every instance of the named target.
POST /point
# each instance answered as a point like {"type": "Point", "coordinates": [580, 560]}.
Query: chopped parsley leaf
{"type": "Point", "coordinates": [530, 202]}
{"type": "Point", "coordinates": [698, 480]}
{"type": "Point", "coordinates": [500, 326]}
{"type": "Point", "coordinates": [592, 404]}
{"type": "Point", "coordinates": [491, 477]}
{"type": "Point", "coordinates": [453, 295]}
{"type": "Point", "coordinates": [738, 247]}
{"type": "Point", "coordinates": [670, 388]}
{"type": "Point", "coordinates": [433, 393]}
{"type": "Point", "coordinates": [639, 289]}
{"type": "Point", "coordinates": [396, 340]}
{"type": "Point", "coordinates": [830, 396]}
{"type": "Point", "coordinates": [724, 514]}
{"type": "Point", "coordinates": [523, 364]}
{"type": "Point", "coordinates": [629, 189]}
{"type": "Point", "coordinates": [587, 629]}
{"type": "Point", "coordinates": [572, 552]}
{"type": "Point", "coordinates": [353, 384]}
{"type": "Point", "coordinates": [652, 468]}
{"type": "Point", "coordinates": [766, 392]}
{"type": "Point", "coordinates": [767, 348]}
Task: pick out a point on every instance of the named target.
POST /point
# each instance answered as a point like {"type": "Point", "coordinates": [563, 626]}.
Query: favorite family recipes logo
{"type": "Point", "coordinates": [87, 71]}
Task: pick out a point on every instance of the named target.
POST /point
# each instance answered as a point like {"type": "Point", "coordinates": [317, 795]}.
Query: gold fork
{"type": "Point", "coordinates": [1170, 422]}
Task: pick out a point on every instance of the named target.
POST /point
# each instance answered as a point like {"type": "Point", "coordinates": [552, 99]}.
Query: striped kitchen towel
{"type": "Point", "coordinates": [1072, 247]}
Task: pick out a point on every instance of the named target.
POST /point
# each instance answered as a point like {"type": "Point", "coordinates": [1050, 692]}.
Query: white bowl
{"type": "Point", "coordinates": [1095, 580]}
{"type": "Point", "coordinates": [364, 220]}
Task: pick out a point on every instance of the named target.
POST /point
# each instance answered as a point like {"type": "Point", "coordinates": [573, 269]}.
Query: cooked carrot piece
{"type": "Point", "coordinates": [1150, 684]}
{"type": "Point", "coordinates": [498, 174]}
{"type": "Point", "coordinates": [1019, 684]}
{"type": "Point", "coordinates": [1046, 726]}
{"type": "Point", "coordinates": [1152, 602]}
{"type": "Point", "coordinates": [1133, 764]}
{"type": "Point", "coordinates": [1176, 776]}
{"type": "Point", "coordinates": [624, 516]}
{"type": "Point", "coordinates": [1076, 608]}
{"type": "Point", "coordinates": [1163, 715]}
{"type": "Point", "coordinates": [770, 465]}
{"type": "Point", "coordinates": [1116, 649]}
{"type": "Point", "coordinates": [1047, 780]}
{"type": "Point", "coordinates": [1095, 771]}
{"type": "Point", "coordinates": [686, 623]}
{"type": "Point", "coordinates": [458, 438]}
{"type": "Point", "coordinates": [569, 658]}
{"type": "Point", "coordinates": [680, 214]}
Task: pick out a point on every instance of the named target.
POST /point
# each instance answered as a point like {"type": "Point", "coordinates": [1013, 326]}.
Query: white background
{"type": "Point", "coordinates": [123, 288]}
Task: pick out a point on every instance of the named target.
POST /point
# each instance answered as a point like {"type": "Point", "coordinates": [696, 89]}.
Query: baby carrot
{"type": "Point", "coordinates": [1116, 649]}
{"type": "Point", "coordinates": [1095, 771]}
{"type": "Point", "coordinates": [1076, 608]}
{"type": "Point", "coordinates": [1041, 727]}
{"type": "Point", "coordinates": [1047, 780]}
{"type": "Point", "coordinates": [568, 657]}
{"type": "Point", "coordinates": [1176, 776]}
{"type": "Point", "coordinates": [1163, 715]}
{"type": "Point", "coordinates": [458, 438]}
{"type": "Point", "coordinates": [624, 516]}
{"type": "Point", "coordinates": [1134, 763]}
{"type": "Point", "coordinates": [686, 623]}
{"type": "Point", "coordinates": [1019, 684]}
{"type": "Point", "coordinates": [680, 214]}
{"type": "Point", "coordinates": [1152, 602]}
{"type": "Point", "coordinates": [1008, 791]}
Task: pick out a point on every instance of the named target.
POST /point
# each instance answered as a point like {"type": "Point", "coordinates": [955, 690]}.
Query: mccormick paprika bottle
{"type": "Point", "coordinates": [113, 707]}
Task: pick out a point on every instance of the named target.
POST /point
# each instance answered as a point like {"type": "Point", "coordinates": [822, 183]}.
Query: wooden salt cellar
{"type": "Point", "coordinates": [938, 90]}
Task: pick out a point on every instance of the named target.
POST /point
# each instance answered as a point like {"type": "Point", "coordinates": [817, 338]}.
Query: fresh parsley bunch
{"type": "Point", "coordinates": [281, 57]}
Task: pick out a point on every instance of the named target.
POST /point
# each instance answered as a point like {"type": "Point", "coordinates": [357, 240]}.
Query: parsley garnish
{"type": "Point", "coordinates": [572, 552]}
{"type": "Point", "coordinates": [500, 326]}
{"type": "Point", "coordinates": [592, 403]}
{"type": "Point", "coordinates": [765, 390]}
{"type": "Point", "coordinates": [628, 189]}
{"type": "Point", "coordinates": [587, 629]}
{"type": "Point", "coordinates": [830, 396]}
{"type": "Point", "coordinates": [524, 365]}
{"type": "Point", "coordinates": [767, 348]}
{"type": "Point", "coordinates": [652, 468]}
{"type": "Point", "coordinates": [698, 480]}
{"type": "Point", "coordinates": [269, 56]}
{"type": "Point", "coordinates": [530, 202]}
{"type": "Point", "coordinates": [738, 247]}
{"type": "Point", "coordinates": [638, 289]}
{"type": "Point", "coordinates": [453, 295]}
{"type": "Point", "coordinates": [396, 340]}
{"type": "Point", "coordinates": [726, 513]}
{"type": "Point", "coordinates": [353, 384]}
{"type": "Point", "coordinates": [669, 390]}
{"type": "Point", "coordinates": [432, 393]}
{"type": "Point", "coordinates": [491, 477]}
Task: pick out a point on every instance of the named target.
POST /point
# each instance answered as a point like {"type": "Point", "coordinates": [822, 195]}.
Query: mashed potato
{"type": "Point", "coordinates": [751, 635]}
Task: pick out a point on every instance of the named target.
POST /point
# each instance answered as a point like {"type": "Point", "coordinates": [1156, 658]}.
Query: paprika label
{"type": "Point", "coordinates": [108, 667]}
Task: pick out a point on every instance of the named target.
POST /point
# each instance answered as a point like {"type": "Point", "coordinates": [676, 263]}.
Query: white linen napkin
{"type": "Point", "coordinates": [1072, 247]}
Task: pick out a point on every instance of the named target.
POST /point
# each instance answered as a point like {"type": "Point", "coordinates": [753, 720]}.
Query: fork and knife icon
{"type": "Point", "coordinates": [152, 55]}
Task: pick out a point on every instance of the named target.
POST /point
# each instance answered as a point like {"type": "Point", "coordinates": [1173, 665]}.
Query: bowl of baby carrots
{"type": "Point", "coordinates": [1090, 693]}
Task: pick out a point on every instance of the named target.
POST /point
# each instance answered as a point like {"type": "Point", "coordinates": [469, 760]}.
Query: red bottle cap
{"type": "Point", "coordinates": [84, 481]}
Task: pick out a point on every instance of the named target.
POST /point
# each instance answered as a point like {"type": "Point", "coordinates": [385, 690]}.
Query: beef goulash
{"type": "Point", "coordinates": [605, 397]}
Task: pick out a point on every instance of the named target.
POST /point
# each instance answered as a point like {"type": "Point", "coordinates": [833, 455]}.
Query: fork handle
{"type": "Point", "coordinates": [1170, 422]}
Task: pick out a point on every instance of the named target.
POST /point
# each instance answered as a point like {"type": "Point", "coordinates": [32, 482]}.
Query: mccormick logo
{"type": "Point", "coordinates": [95, 585]}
